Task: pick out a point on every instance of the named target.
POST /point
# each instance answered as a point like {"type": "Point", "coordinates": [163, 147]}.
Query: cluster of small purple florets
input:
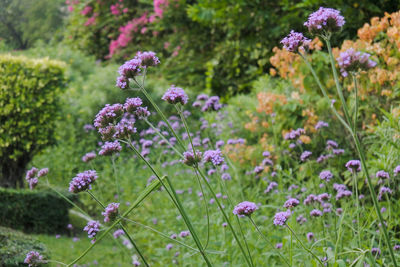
{"type": "Point", "coordinates": [132, 68]}
{"type": "Point", "coordinates": [294, 134]}
{"type": "Point", "coordinates": [353, 166]}
{"type": "Point", "coordinates": [88, 156]}
{"type": "Point", "coordinates": [175, 95]}
{"type": "Point", "coordinates": [110, 212]}
{"type": "Point", "coordinates": [33, 258]}
{"type": "Point", "coordinates": [325, 20]}
{"type": "Point", "coordinates": [245, 208]}
{"type": "Point", "coordinates": [280, 218]}
{"type": "Point", "coordinates": [191, 158]}
{"type": "Point", "coordinates": [207, 103]}
{"type": "Point", "coordinates": [33, 175]}
{"type": "Point", "coordinates": [352, 61]}
{"type": "Point", "coordinates": [295, 41]}
{"type": "Point", "coordinates": [82, 181]}
{"type": "Point", "coordinates": [214, 156]}
{"type": "Point", "coordinates": [92, 228]}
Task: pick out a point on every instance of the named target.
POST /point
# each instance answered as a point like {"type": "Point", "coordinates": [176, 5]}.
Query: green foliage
{"type": "Point", "coordinates": [22, 22]}
{"type": "Point", "coordinates": [29, 103]}
{"type": "Point", "coordinates": [15, 245]}
{"type": "Point", "coordinates": [33, 211]}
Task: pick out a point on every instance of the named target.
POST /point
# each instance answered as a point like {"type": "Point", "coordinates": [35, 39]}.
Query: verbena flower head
{"type": "Point", "coordinates": [396, 170]}
{"type": "Point", "coordinates": [110, 212]}
{"type": "Point", "coordinates": [310, 236]}
{"type": "Point", "coordinates": [82, 181]}
{"type": "Point", "coordinates": [326, 175]}
{"type": "Point", "coordinates": [31, 173]}
{"type": "Point", "coordinates": [108, 115]}
{"type": "Point", "coordinates": [214, 156]}
{"type": "Point", "coordinates": [191, 159]}
{"type": "Point", "coordinates": [88, 156]}
{"type": "Point", "coordinates": [33, 258]}
{"type": "Point", "coordinates": [280, 218]}
{"type": "Point", "coordinates": [325, 20]}
{"type": "Point", "coordinates": [382, 174]}
{"type": "Point", "coordinates": [124, 129]}
{"type": "Point", "coordinates": [352, 61]}
{"type": "Point", "coordinates": [43, 172]}
{"type": "Point", "coordinates": [291, 203]}
{"type": "Point", "coordinates": [148, 59]}
{"type": "Point", "coordinates": [130, 68]}
{"type": "Point", "coordinates": [245, 208]}
{"type": "Point", "coordinates": [315, 213]}
{"type": "Point", "coordinates": [110, 148]}
{"type": "Point", "coordinates": [92, 228]}
{"type": "Point", "coordinates": [353, 165]}
{"type": "Point", "coordinates": [212, 103]}
{"type": "Point", "coordinates": [131, 104]}
{"type": "Point", "coordinates": [294, 41]}
{"type": "Point", "coordinates": [305, 155]}
{"type": "Point", "coordinates": [142, 113]}
{"type": "Point", "coordinates": [118, 233]}
{"type": "Point", "coordinates": [184, 234]}
{"type": "Point", "coordinates": [321, 124]}
{"type": "Point", "coordinates": [294, 134]}
{"type": "Point", "coordinates": [175, 95]}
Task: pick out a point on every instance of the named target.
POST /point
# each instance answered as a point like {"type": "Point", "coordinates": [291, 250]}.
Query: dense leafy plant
{"type": "Point", "coordinates": [29, 101]}
{"type": "Point", "coordinates": [34, 211]}
{"type": "Point", "coordinates": [15, 245]}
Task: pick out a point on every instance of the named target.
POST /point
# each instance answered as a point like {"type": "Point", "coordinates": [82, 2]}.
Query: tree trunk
{"type": "Point", "coordinates": [12, 173]}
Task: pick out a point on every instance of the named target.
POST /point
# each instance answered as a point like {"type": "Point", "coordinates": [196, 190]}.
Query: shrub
{"type": "Point", "coordinates": [37, 212]}
{"type": "Point", "coordinates": [29, 101]}
{"type": "Point", "coordinates": [15, 245]}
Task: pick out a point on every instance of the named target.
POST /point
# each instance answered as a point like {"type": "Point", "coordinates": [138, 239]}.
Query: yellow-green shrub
{"type": "Point", "coordinates": [29, 103]}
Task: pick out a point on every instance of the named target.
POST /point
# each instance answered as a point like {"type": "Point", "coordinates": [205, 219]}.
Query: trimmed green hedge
{"type": "Point", "coordinates": [33, 211]}
{"type": "Point", "coordinates": [29, 103]}
{"type": "Point", "coordinates": [15, 245]}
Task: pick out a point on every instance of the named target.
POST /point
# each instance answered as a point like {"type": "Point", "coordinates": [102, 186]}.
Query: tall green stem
{"type": "Point", "coordinates": [355, 185]}
{"type": "Point", "coordinates": [356, 103]}
{"type": "Point", "coordinates": [174, 197]}
{"type": "Point", "coordinates": [269, 242]}
{"type": "Point", "coordinates": [306, 248]}
{"type": "Point", "coordinates": [225, 216]}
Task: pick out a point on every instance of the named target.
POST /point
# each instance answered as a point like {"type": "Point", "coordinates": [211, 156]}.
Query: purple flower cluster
{"type": "Point", "coordinates": [315, 213]}
{"type": "Point", "coordinates": [291, 203]}
{"type": "Point", "coordinates": [131, 104]}
{"type": "Point", "coordinates": [353, 165]}
{"type": "Point", "coordinates": [305, 155]}
{"type": "Point", "coordinates": [382, 175]}
{"type": "Point", "coordinates": [325, 20]}
{"type": "Point", "coordinates": [294, 134]}
{"type": "Point", "coordinates": [384, 190]}
{"type": "Point", "coordinates": [118, 233]}
{"type": "Point", "coordinates": [326, 175]}
{"type": "Point", "coordinates": [352, 61]}
{"type": "Point", "coordinates": [294, 41]}
{"type": "Point", "coordinates": [92, 228]}
{"type": "Point", "coordinates": [214, 156]}
{"type": "Point", "coordinates": [108, 115]}
{"type": "Point", "coordinates": [82, 181]}
{"type": "Point", "coordinates": [280, 218]}
{"type": "Point", "coordinates": [396, 170]}
{"type": "Point", "coordinates": [245, 208]}
{"type": "Point", "coordinates": [33, 175]}
{"type": "Point", "coordinates": [342, 191]}
{"type": "Point", "coordinates": [191, 159]}
{"type": "Point", "coordinates": [110, 148]}
{"type": "Point", "coordinates": [175, 95]}
{"type": "Point", "coordinates": [33, 258]}
{"type": "Point", "coordinates": [212, 103]}
{"type": "Point", "coordinates": [88, 156]}
{"type": "Point", "coordinates": [132, 68]}
{"type": "Point", "coordinates": [110, 212]}
{"type": "Point", "coordinates": [321, 124]}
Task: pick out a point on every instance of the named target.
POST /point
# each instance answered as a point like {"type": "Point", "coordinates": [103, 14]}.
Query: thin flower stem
{"type": "Point", "coordinates": [225, 216]}
{"type": "Point", "coordinates": [173, 196]}
{"type": "Point", "coordinates": [123, 228]}
{"type": "Point", "coordinates": [336, 78]}
{"type": "Point", "coordinates": [134, 245]}
{"type": "Point", "coordinates": [160, 113]}
{"type": "Point", "coordinates": [141, 197]}
{"type": "Point", "coordinates": [116, 178]}
{"type": "Point", "coordinates": [194, 152]}
{"type": "Point", "coordinates": [163, 137]}
{"type": "Point", "coordinates": [355, 185]}
{"type": "Point", "coordinates": [269, 241]}
{"type": "Point", "coordinates": [361, 154]}
{"type": "Point", "coordinates": [54, 261]}
{"type": "Point", "coordinates": [206, 207]}
{"type": "Point", "coordinates": [356, 103]}
{"type": "Point", "coordinates": [301, 243]}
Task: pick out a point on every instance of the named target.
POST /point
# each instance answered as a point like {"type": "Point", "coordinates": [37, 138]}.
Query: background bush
{"type": "Point", "coordinates": [33, 211]}
{"type": "Point", "coordinates": [15, 245]}
{"type": "Point", "coordinates": [29, 106]}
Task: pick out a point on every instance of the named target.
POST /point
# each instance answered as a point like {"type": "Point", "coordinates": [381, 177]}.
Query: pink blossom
{"type": "Point", "coordinates": [86, 10]}
{"type": "Point", "coordinates": [159, 6]}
